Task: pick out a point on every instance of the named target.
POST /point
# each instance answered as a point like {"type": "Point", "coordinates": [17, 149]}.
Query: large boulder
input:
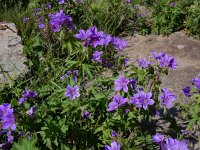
{"type": "Point", "coordinates": [11, 54]}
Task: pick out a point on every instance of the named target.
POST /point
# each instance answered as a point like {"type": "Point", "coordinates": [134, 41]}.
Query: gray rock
{"type": "Point", "coordinates": [11, 54]}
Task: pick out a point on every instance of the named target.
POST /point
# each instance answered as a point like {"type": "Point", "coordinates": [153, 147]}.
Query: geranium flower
{"type": "Point", "coordinates": [121, 83]}
{"type": "Point", "coordinates": [72, 92]}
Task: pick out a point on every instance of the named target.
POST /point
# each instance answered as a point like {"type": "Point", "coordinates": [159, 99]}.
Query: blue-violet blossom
{"type": "Point", "coordinates": [72, 92]}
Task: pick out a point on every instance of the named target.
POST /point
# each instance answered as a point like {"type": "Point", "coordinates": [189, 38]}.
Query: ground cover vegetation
{"type": "Point", "coordinates": [67, 102]}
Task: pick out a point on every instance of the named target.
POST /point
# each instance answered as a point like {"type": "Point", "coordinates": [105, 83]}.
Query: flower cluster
{"type": "Point", "coordinates": [169, 143]}
{"type": "Point", "coordinates": [140, 99]}
{"type": "Point", "coordinates": [60, 19]}
{"type": "Point", "coordinates": [93, 37]}
{"type": "Point", "coordinates": [164, 60]}
{"type": "Point", "coordinates": [118, 100]}
{"type": "Point", "coordinates": [26, 95]}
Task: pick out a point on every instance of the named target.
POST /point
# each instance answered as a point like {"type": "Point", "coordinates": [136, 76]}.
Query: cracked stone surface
{"type": "Point", "coordinates": [11, 54]}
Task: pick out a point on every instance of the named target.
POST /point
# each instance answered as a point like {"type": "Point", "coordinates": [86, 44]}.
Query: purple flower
{"type": "Point", "coordinates": [143, 63]}
{"type": "Point", "coordinates": [106, 39]}
{"type": "Point", "coordinates": [2, 145]}
{"type": "Point", "coordinates": [185, 132]}
{"type": "Point", "coordinates": [75, 73]}
{"type": "Point", "coordinates": [41, 26]}
{"type": "Point", "coordinates": [10, 137]}
{"type": "Point", "coordinates": [4, 109]}
{"type": "Point", "coordinates": [157, 55]}
{"type": "Point", "coordinates": [58, 19]}
{"type": "Point", "coordinates": [7, 117]}
{"type": "Point", "coordinates": [186, 91]}
{"type": "Point", "coordinates": [83, 35]}
{"type": "Point", "coordinates": [31, 111]}
{"type": "Point", "coordinates": [167, 98]}
{"type": "Point", "coordinates": [128, 1]}
{"type": "Point", "coordinates": [48, 5]}
{"type": "Point", "coordinates": [135, 99]}
{"type": "Point", "coordinates": [8, 120]}
{"type": "Point", "coordinates": [62, 77]}
{"type": "Point", "coordinates": [126, 60]}
{"type": "Point", "coordinates": [196, 82]}
{"type": "Point", "coordinates": [119, 44]}
{"type": "Point", "coordinates": [114, 134]}
{"type": "Point", "coordinates": [61, 2]}
{"type": "Point", "coordinates": [112, 106]}
{"type": "Point", "coordinates": [121, 83]}
{"type": "Point", "coordinates": [28, 135]}
{"type": "Point", "coordinates": [95, 37]}
{"type": "Point", "coordinates": [142, 99]}
{"type": "Point", "coordinates": [27, 94]}
{"type": "Point", "coordinates": [97, 56]}
{"type": "Point", "coordinates": [21, 133]}
{"type": "Point", "coordinates": [114, 146]}
{"type": "Point", "coordinates": [174, 144]}
{"type": "Point", "coordinates": [118, 100]}
{"type": "Point", "coordinates": [158, 138]}
{"type": "Point", "coordinates": [133, 83]}
{"type": "Point", "coordinates": [167, 62]}
{"type": "Point", "coordinates": [127, 111]}
{"type": "Point", "coordinates": [86, 114]}
{"type": "Point", "coordinates": [164, 60]}
{"type": "Point", "coordinates": [72, 92]}
{"type": "Point", "coordinates": [69, 72]}
{"type": "Point", "coordinates": [172, 4]}
{"type": "Point", "coordinates": [26, 19]}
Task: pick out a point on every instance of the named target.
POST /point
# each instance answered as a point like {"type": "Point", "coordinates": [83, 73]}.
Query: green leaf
{"type": "Point", "coordinates": [24, 144]}
{"type": "Point", "coordinates": [191, 123]}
